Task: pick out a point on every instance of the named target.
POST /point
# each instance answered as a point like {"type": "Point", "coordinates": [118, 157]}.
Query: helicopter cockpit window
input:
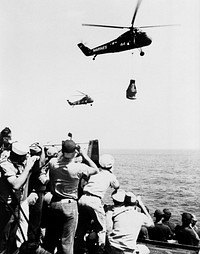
{"type": "Point", "coordinates": [123, 44]}
{"type": "Point", "coordinates": [114, 42]}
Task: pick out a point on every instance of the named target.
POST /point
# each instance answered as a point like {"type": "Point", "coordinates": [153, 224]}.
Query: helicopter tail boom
{"type": "Point", "coordinates": [70, 103]}
{"type": "Point", "coordinates": [86, 51]}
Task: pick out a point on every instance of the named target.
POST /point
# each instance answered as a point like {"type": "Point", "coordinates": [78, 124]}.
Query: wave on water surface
{"type": "Point", "coordinates": [164, 179]}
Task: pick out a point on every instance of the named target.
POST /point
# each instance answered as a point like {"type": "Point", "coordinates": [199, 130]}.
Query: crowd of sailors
{"type": "Point", "coordinates": [51, 201]}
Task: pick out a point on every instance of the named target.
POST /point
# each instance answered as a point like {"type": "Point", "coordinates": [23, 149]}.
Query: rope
{"type": "Point", "coordinates": [15, 216]}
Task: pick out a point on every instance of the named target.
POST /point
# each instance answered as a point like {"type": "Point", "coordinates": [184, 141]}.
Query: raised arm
{"type": "Point", "coordinates": [144, 210]}
{"type": "Point", "coordinates": [18, 181]}
{"type": "Point", "coordinates": [94, 168]}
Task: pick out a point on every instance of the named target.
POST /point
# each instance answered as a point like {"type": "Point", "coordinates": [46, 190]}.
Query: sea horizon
{"type": "Point", "coordinates": [165, 178]}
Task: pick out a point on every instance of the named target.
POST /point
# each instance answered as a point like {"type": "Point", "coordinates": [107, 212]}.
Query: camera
{"type": "Point", "coordinates": [78, 148]}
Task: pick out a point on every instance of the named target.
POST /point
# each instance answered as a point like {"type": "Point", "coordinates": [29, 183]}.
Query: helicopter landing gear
{"type": "Point", "coordinates": [94, 57]}
{"type": "Point", "coordinates": [141, 52]}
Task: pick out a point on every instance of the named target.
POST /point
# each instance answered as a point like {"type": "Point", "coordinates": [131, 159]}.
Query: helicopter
{"type": "Point", "coordinates": [131, 39]}
{"type": "Point", "coordinates": [85, 100]}
{"type": "Point", "coordinates": [131, 90]}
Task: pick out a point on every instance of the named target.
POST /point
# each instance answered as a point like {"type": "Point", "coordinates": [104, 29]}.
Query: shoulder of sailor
{"type": "Point", "coordinates": [7, 167]}
{"type": "Point", "coordinates": [121, 210]}
{"type": "Point", "coordinates": [108, 175]}
{"type": "Point", "coordinates": [4, 155]}
{"type": "Point", "coordinates": [52, 162]}
{"type": "Point", "coordinates": [84, 168]}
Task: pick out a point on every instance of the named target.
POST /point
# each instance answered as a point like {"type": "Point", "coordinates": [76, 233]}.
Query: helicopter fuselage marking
{"type": "Point", "coordinates": [100, 48]}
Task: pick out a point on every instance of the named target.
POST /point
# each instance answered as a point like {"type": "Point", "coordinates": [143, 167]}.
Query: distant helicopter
{"type": "Point", "coordinates": [85, 100]}
{"type": "Point", "coordinates": [131, 90]}
{"type": "Point", "coordinates": [134, 38]}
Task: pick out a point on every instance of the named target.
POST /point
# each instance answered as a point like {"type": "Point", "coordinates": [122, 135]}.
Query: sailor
{"type": "Point", "coordinates": [14, 172]}
{"type": "Point", "coordinates": [64, 176]}
{"type": "Point", "coordinates": [124, 224]}
{"type": "Point", "coordinates": [194, 224]}
{"type": "Point", "coordinates": [93, 194]}
{"type": "Point", "coordinates": [166, 220]}
{"type": "Point", "coordinates": [185, 233]}
{"type": "Point", "coordinates": [160, 232]}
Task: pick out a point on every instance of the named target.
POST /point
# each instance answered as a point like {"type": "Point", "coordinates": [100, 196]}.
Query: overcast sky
{"type": "Point", "coordinates": [41, 67]}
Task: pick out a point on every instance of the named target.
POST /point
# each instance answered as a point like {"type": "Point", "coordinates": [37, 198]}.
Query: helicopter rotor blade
{"type": "Point", "coordinates": [158, 26]}
{"type": "Point", "coordinates": [135, 13]}
{"type": "Point", "coordinates": [107, 26]}
{"type": "Point", "coordinates": [80, 92]}
{"type": "Point", "coordinates": [128, 27]}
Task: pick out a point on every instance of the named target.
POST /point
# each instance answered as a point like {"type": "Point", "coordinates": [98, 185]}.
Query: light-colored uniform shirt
{"type": "Point", "coordinates": [98, 184]}
{"type": "Point", "coordinates": [123, 226]}
{"type": "Point", "coordinates": [4, 155]}
{"type": "Point", "coordinates": [8, 170]}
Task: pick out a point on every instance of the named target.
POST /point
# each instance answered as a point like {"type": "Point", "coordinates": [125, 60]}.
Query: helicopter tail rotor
{"type": "Point", "coordinates": [86, 51]}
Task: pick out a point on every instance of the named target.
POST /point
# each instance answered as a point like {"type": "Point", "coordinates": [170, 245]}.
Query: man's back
{"type": "Point", "coordinates": [127, 223]}
{"type": "Point", "coordinates": [186, 235]}
{"type": "Point", "coordinates": [99, 183]}
{"type": "Point", "coordinates": [170, 224]}
{"type": "Point", "coordinates": [64, 177]}
{"type": "Point", "coordinates": [160, 232]}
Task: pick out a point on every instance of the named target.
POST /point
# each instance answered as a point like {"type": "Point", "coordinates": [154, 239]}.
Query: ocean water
{"type": "Point", "coordinates": [163, 178]}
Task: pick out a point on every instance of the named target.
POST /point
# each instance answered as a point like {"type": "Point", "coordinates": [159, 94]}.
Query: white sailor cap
{"type": "Point", "coordinates": [119, 195]}
{"type": "Point", "coordinates": [20, 148]}
{"type": "Point", "coordinates": [106, 161]}
{"type": "Point", "coordinates": [52, 151]}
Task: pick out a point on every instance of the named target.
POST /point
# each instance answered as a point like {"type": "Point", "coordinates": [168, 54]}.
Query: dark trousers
{"type": "Point", "coordinates": [35, 217]}
{"type": "Point", "coordinates": [113, 250]}
{"type": "Point", "coordinates": [62, 226]}
{"type": "Point", "coordinates": [87, 223]}
{"type": "Point", "coordinates": [5, 225]}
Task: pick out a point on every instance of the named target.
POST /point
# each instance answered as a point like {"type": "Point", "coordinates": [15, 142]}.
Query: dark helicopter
{"type": "Point", "coordinates": [133, 38]}
{"type": "Point", "coordinates": [131, 90]}
{"type": "Point", "coordinates": [84, 100]}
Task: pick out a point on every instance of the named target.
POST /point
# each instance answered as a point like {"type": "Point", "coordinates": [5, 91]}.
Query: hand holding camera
{"type": "Point", "coordinates": [139, 202]}
{"type": "Point", "coordinates": [78, 148]}
{"type": "Point", "coordinates": [81, 152]}
{"type": "Point", "coordinates": [30, 161]}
